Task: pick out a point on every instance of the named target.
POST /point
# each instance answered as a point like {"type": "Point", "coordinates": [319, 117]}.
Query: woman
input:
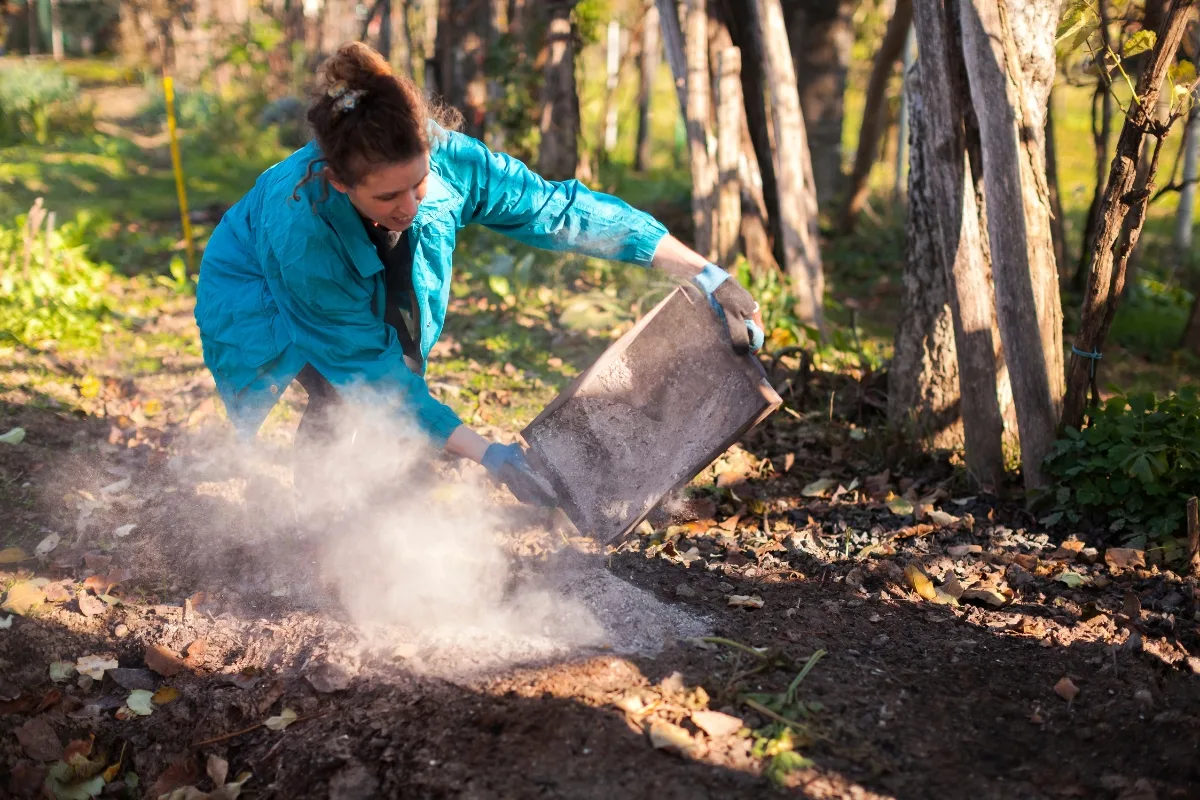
{"type": "Point", "coordinates": [335, 269]}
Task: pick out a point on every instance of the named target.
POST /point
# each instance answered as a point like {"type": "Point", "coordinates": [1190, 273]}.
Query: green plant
{"type": "Point", "coordinates": [1133, 468]}
{"type": "Point", "coordinates": [38, 102]}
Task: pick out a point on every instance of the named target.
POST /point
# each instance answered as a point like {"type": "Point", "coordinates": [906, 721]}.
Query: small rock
{"type": "Point", "coordinates": [725, 588]}
{"type": "Point", "coordinates": [880, 640]}
{"type": "Point", "coordinates": [1089, 555]}
{"type": "Point", "coordinates": [1066, 689]}
{"type": "Point", "coordinates": [39, 741]}
{"type": "Point", "coordinates": [329, 677]}
{"type": "Point", "coordinates": [1017, 576]}
{"type": "Point", "coordinates": [1144, 698]}
{"type": "Point", "coordinates": [121, 631]}
{"type": "Point", "coordinates": [683, 590]}
{"type": "Point", "coordinates": [131, 679]}
{"type": "Point", "coordinates": [854, 578]}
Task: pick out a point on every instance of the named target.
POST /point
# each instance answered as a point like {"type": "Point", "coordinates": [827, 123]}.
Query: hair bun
{"type": "Point", "coordinates": [354, 65]}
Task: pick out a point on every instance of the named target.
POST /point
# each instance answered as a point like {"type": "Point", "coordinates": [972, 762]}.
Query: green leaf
{"type": "Point", "coordinates": [1142, 470]}
{"type": "Point", "coordinates": [1051, 520]}
{"type": "Point", "coordinates": [1140, 42]}
{"type": "Point", "coordinates": [1078, 23]}
{"type": "Point", "coordinates": [499, 284]}
{"type": "Point", "coordinates": [1072, 579]}
{"type": "Point", "coordinates": [900, 507]}
{"type": "Point", "coordinates": [15, 436]}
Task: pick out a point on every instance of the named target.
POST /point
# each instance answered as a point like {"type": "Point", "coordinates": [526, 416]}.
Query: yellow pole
{"type": "Point", "coordinates": [177, 163]}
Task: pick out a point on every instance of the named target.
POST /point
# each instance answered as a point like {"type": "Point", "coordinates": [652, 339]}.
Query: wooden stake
{"type": "Point", "coordinates": [1193, 528]}
{"type": "Point", "coordinates": [177, 164]}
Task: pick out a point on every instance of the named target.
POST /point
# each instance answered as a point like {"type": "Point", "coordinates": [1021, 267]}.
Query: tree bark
{"type": "Point", "coordinates": [1058, 231]}
{"type": "Point", "coordinates": [1185, 214]}
{"type": "Point", "coordinates": [462, 35]}
{"type": "Point", "coordinates": [648, 67]}
{"type": "Point", "coordinates": [31, 20]}
{"type": "Point", "coordinates": [558, 155]}
{"type": "Point", "coordinates": [673, 47]}
{"type": "Point", "coordinates": [497, 29]}
{"type": "Point", "coordinates": [797, 194]}
{"type": "Point", "coordinates": [1009, 54]}
{"type": "Point", "coordinates": [1106, 275]}
{"type": "Point", "coordinates": [821, 33]}
{"type": "Point", "coordinates": [891, 49]}
{"type": "Point", "coordinates": [56, 31]}
{"type": "Point", "coordinates": [1102, 104]}
{"type": "Point", "coordinates": [699, 130]}
{"type": "Point", "coordinates": [943, 201]}
{"type": "Point", "coordinates": [902, 123]}
{"type": "Point", "coordinates": [923, 382]}
{"type": "Point", "coordinates": [729, 145]}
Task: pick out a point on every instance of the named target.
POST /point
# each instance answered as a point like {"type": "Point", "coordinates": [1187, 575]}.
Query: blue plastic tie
{"type": "Point", "coordinates": [1094, 356]}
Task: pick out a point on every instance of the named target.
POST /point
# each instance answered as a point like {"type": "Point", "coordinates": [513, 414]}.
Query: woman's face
{"type": "Point", "coordinates": [389, 194]}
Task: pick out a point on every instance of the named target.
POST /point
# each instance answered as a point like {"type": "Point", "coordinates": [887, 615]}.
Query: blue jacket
{"type": "Point", "coordinates": [287, 282]}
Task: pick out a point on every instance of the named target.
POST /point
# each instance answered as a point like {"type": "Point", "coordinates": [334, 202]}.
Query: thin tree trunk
{"type": "Point", "coordinates": [1185, 214]}
{"type": "Point", "coordinates": [613, 69]}
{"type": "Point", "coordinates": [395, 22]}
{"type": "Point", "coordinates": [797, 194]}
{"type": "Point", "coordinates": [432, 10]}
{"type": "Point", "coordinates": [672, 36]}
{"type": "Point", "coordinates": [497, 28]}
{"type": "Point", "coordinates": [699, 130]}
{"type": "Point", "coordinates": [31, 20]}
{"type": "Point", "coordinates": [729, 145]}
{"type": "Point", "coordinates": [56, 31]}
{"type": "Point", "coordinates": [902, 132]}
{"type": "Point", "coordinates": [648, 66]}
{"type": "Point", "coordinates": [1106, 275]}
{"type": "Point", "coordinates": [558, 155]}
{"type": "Point", "coordinates": [821, 33]}
{"type": "Point", "coordinates": [1009, 53]}
{"type": "Point", "coordinates": [461, 45]}
{"type": "Point", "coordinates": [874, 117]}
{"type": "Point", "coordinates": [942, 190]}
{"type": "Point", "coordinates": [1057, 228]}
{"type": "Point", "coordinates": [1102, 104]}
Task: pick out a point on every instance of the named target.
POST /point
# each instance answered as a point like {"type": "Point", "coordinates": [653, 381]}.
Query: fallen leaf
{"type": "Point", "coordinates": [140, 702]}
{"type": "Point", "coordinates": [939, 517]}
{"type": "Point", "coordinates": [672, 738]}
{"type": "Point", "coordinates": [163, 661]}
{"type": "Point", "coordinates": [45, 546]}
{"type": "Point", "coordinates": [233, 790]}
{"type": "Point", "coordinates": [23, 597]}
{"type": "Point", "coordinates": [789, 461]}
{"type": "Point", "coordinates": [1026, 561]}
{"type": "Point", "coordinates": [26, 779]}
{"type": "Point", "coordinates": [116, 487]}
{"type": "Point", "coordinates": [11, 555]}
{"type": "Point", "coordinates": [217, 769]}
{"type": "Point", "coordinates": [79, 748]}
{"type": "Point", "coordinates": [39, 741]}
{"type": "Point", "coordinates": [1066, 689]}
{"type": "Point", "coordinates": [1119, 558]}
{"type": "Point", "coordinates": [247, 678]}
{"type": "Point", "coordinates": [56, 593]}
{"type": "Point", "coordinates": [987, 595]}
{"type": "Point", "coordinates": [715, 723]}
{"type": "Point", "coordinates": [745, 601]}
{"type": "Point", "coordinates": [90, 606]}
{"type": "Point", "coordinates": [132, 678]}
{"type": "Point", "coordinates": [943, 598]}
{"type": "Point", "coordinates": [919, 582]}
{"type": "Point", "coordinates": [285, 718]}
{"type": "Point", "coordinates": [165, 695]}
{"type": "Point", "coordinates": [1132, 606]}
{"type": "Point", "coordinates": [15, 436]}
{"type": "Point", "coordinates": [819, 488]}
{"type": "Point", "coordinates": [6, 622]}
{"type": "Point", "coordinates": [1072, 579]}
{"type": "Point", "coordinates": [63, 784]}
{"type": "Point", "coordinates": [329, 677]}
{"type": "Point", "coordinates": [61, 671]}
{"type": "Point", "coordinates": [960, 550]}
{"type": "Point", "coordinates": [183, 771]}
{"type": "Point", "coordinates": [94, 666]}
{"type": "Point", "coordinates": [124, 530]}
{"type": "Point", "coordinates": [900, 507]}
{"type": "Point", "coordinates": [195, 652]}
{"type": "Point", "coordinates": [951, 586]}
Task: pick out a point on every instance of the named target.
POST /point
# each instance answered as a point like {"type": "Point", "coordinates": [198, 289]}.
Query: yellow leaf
{"type": "Point", "coordinates": [11, 555]}
{"type": "Point", "coordinates": [23, 597]}
{"type": "Point", "coordinates": [165, 695]}
{"type": "Point", "coordinates": [89, 386]}
{"type": "Point", "coordinates": [285, 718]}
{"type": "Point", "coordinates": [919, 582]}
{"type": "Point", "coordinates": [151, 407]}
{"type": "Point", "coordinates": [1140, 42]}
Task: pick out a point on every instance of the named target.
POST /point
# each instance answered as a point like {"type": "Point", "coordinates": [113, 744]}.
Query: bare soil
{"type": "Point", "coordinates": [914, 699]}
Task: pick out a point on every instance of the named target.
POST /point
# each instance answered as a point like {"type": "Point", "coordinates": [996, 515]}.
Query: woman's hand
{"type": "Point", "coordinates": [506, 464]}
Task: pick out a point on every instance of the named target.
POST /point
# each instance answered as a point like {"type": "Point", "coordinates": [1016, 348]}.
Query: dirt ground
{"type": "Point", "coordinates": [1036, 671]}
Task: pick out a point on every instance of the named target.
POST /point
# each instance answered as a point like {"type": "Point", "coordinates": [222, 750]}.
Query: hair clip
{"type": "Point", "coordinates": [347, 101]}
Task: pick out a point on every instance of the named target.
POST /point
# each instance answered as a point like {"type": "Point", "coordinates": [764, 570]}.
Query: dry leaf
{"type": "Point", "coordinates": [116, 487]}
{"type": "Point", "coordinates": [56, 593]}
{"type": "Point", "coordinates": [900, 507]}
{"type": "Point", "coordinates": [716, 724]}
{"type": "Point", "coordinates": [163, 661]}
{"type": "Point", "coordinates": [14, 436]}
{"type": "Point", "coordinates": [6, 622]}
{"type": "Point", "coordinates": [285, 718]}
{"type": "Point", "coordinates": [819, 488]}
{"type": "Point", "coordinates": [672, 738]}
{"type": "Point", "coordinates": [985, 594]}
{"type": "Point", "coordinates": [61, 671]}
{"type": "Point", "coordinates": [45, 546]}
{"type": "Point", "coordinates": [90, 606]}
{"type": "Point", "coordinates": [23, 597]}
{"type": "Point", "coordinates": [131, 678]}
{"type": "Point", "coordinates": [938, 517]}
{"type": "Point", "coordinates": [140, 702]}
{"type": "Point", "coordinates": [1119, 558]}
{"type": "Point", "coordinates": [789, 461]}
{"type": "Point", "coordinates": [124, 530]}
{"type": "Point", "coordinates": [94, 666]}
{"type": "Point", "coordinates": [217, 769]}
{"type": "Point", "coordinates": [745, 601]}
{"type": "Point", "coordinates": [1066, 689]}
{"type": "Point", "coordinates": [960, 550]}
{"type": "Point", "coordinates": [39, 741]}
{"type": "Point", "coordinates": [165, 695]}
{"type": "Point", "coordinates": [919, 582]}
{"type": "Point", "coordinates": [11, 555]}
{"type": "Point", "coordinates": [195, 652]}
{"type": "Point", "coordinates": [1072, 579]}
{"type": "Point", "coordinates": [183, 771]}
{"type": "Point", "coordinates": [943, 598]}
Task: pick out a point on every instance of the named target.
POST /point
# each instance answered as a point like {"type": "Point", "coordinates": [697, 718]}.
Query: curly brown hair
{"type": "Point", "coordinates": [363, 114]}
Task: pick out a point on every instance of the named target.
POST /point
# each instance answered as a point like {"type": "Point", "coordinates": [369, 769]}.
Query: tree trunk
{"type": "Point", "coordinates": [394, 30]}
{"type": "Point", "coordinates": [31, 19]}
{"type": "Point", "coordinates": [56, 31]}
{"type": "Point", "coordinates": [1102, 104]}
{"type": "Point", "coordinates": [923, 382]}
{"type": "Point", "coordinates": [941, 190]}
{"type": "Point", "coordinates": [558, 154]}
{"type": "Point", "coordinates": [1187, 193]}
{"type": "Point", "coordinates": [699, 130]}
{"type": "Point", "coordinates": [1009, 54]}
{"type": "Point", "coordinates": [902, 132]}
{"type": "Point", "coordinates": [797, 194]}
{"type": "Point", "coordinates": [612, 81]}
{"type": "Point", "coordinates": [648, 67]}
{"type": "Point", "coordinates": [672, 36]}
{"type": "Point", "coordinates": [821, 33]}
{"type": "Point", "coordinates": [729, 146]}
{"type": "Point", "coordinates": [497, 29]}
{"type": "Point", "coordinates": [462, 35]}
{"type": "Point", "coordinates": [1106, 275]}
{"type": "Point", "coordinates": [890, 51]}
{"type": "Point", "coordinates": [1058, 231]}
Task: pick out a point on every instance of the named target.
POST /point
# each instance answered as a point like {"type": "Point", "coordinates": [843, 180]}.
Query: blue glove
{"type": "Point", "coordinates": [734, 305]}
{"type": "Point", "coordinates": [507, 465]}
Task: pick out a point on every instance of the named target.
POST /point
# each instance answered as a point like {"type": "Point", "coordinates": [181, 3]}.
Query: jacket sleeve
{"type": "Point", "coordinates": [333, 323]}
{"type": "Point", "coordinates": [503, 194]}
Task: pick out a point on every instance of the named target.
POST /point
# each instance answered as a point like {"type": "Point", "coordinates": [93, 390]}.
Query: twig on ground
{"type": "Point", "coordinates": [765, 654]}
{"type": "Point", "coordinates": [766, 712]}
{"type": "Point", "coordinates": [234, 734]}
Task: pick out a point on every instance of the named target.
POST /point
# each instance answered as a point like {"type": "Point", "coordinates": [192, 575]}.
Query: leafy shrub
{"type": "Point", "coordinates": [38, 102]}
{"type": "Point", "coordinates": [1134, 467]}
{"type": "Point", "coordinates": [1152, 322]}
{"type": "Point", "coordinates": [51, 294]}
